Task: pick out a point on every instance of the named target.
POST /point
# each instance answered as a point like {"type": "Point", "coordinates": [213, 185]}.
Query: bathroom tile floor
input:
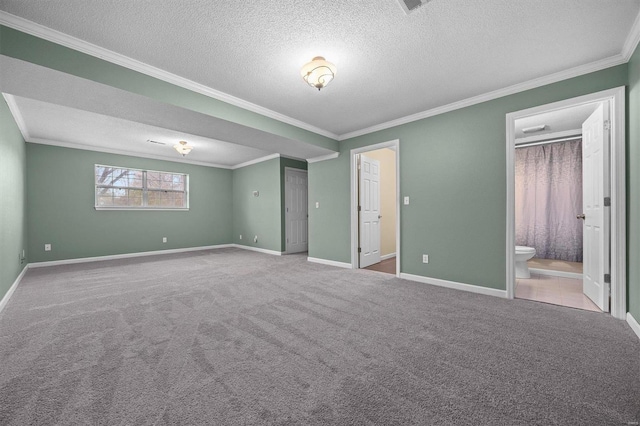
{"type": "Point", "coordinates": [554, 290]}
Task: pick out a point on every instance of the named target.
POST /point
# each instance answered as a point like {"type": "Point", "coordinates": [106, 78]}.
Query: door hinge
{"type": "Point", "coordinates": [607, 124]}
{"type": "Point", "coordinates": [607, 201]}
{"type": "Point", "coordinates": [607, 278]}
{"type": "Point", "coordinates": [359, 208]}
{"type": "Point", "coordinates": [287, 240]}
{"type": "Point", "coordinates": [359, 250]}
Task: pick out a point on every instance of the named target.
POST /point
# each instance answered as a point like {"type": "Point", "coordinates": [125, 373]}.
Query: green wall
{"type": "Point", "coordinates": [257, 215]}
{"type": "Point", "coordinates": [19, 45]}
{"type": "Point", "coordinates": [633, 189]}
{"type": "Point", "coordinates": [453, 168]}
{"type": "Point", "coordinates": [13, 221]}
{"type": "Point", "coordinates": [293, 164]}
{"type": "Point", "coordinates": [61, 211]}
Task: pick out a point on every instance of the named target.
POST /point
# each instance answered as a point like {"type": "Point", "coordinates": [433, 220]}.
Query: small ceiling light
{"type": "Point", "coordinates": [183, 148]}
{"type": "Point", "coordinates": [534, 129]}
{"type": "Point", "coordinates": [318, 73]}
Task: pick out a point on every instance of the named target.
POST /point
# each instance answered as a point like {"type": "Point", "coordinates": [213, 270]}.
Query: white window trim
{"type": "Point", "coordinates": [144, 191]}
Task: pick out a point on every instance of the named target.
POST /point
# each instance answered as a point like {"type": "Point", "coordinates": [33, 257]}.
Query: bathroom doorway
{"type": "Point", "coordinates": [375, 205]}
{"type": "Point", "coordinates": [549, 131]}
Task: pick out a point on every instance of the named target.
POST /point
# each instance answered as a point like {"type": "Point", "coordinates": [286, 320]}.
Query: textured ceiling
{"type": "Point", "coordinates": [71, 99]}
{"type": "Point", "coordinates": [563, 120]}
{"type": "Point", "coordinates": [390, 64]}
{"type": "Point", "coordinates": [48, 122]}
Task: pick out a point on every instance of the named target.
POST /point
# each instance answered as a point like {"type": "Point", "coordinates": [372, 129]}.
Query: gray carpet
{"type": "Point", "coordinates": [234, 337]}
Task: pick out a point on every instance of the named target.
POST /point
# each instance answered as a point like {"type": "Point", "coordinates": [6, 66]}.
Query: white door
{"type": "Point", "coordinates": [595, 187]}
{"type": "Point", "coordinates": [296, 209]}
{"type": "Point", "coordinates": [369, 211]}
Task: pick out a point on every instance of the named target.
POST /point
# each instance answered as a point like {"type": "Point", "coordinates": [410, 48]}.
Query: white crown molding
{"type": "Point", "coordinates": [256, 161]}
{"type": "Point", "coordinates": [57, 37]}
{"type": "Point", "coordinates": [17, 116]}
{"type": "Point", "coordinates": [41, 141]}
{"type": "Point", "coordinates": [632, 40]}
{"type": "Point", "coordinates": [516, 88]}
{"type": "Point", "coordinates": [329, 262]}
{"type": "Point", "coordinates": [455, 285]}
{"type": "Point", "coordinates": [66, 40]}
{"type": "Point", "coordinates": [323, 157]}
{"type": "Point", "coordinates": [14, 286]}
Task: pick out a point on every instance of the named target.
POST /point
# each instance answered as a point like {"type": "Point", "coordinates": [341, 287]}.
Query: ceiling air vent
{"type": "Point", "coordinates": [411, 5]}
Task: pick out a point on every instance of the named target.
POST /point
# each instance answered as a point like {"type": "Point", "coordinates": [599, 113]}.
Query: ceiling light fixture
{"type": "Point", "coordinates": [183, 148]}
{"type": "Point", "coordinates": [318, 73]}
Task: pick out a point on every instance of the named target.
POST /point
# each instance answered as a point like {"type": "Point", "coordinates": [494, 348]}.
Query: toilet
{"type": "Point", "coordinates": [522, 255]}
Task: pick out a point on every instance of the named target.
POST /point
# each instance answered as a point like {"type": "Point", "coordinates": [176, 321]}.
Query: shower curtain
{"type": "Point", "coordinates": [548, 198]}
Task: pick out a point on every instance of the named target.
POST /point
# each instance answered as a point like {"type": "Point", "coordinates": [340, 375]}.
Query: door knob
{"type": "Point", "coordinates": [580, 216]}
{"type": "Point", "coordinates": [379, 216]}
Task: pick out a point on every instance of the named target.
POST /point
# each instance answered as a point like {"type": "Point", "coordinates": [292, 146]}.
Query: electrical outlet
{"type": "Point", "coordinates": [255, 239]}
{"type": "Point", "coordinates": [425, 258]}
{"type": "Point", "coordinates": [240, 236]}
{"type": "Point", "coordinates": [47, 247]}
{"type": "Point", "coordinates": [164, 239]}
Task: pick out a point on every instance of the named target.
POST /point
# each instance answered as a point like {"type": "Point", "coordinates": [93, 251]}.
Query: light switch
{"type": "Point", "coordinates": [406, 201]}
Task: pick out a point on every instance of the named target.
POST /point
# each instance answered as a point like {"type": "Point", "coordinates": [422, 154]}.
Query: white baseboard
{"type": "Point", "coordinates": [329, 262]}
{"type": "Point", "coordinates": [124, 256]}
{"type": "Point", "coordinates": [633, 324]}
{"type": "Point", "coordinates": [387, 256]}
{"type": "Point", "coordinates": [7, 296]}
{"type": "Point", "coordinates": [552, 273]}
{"type": "Point", "coordinates": [258, 249]}
{"type": "Point", "coordinates": [455, 285]}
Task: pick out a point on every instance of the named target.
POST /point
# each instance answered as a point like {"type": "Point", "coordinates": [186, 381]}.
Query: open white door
{"type": "Point", "coordinates": [296, 210]}
{"type": "Point", "coordinates": [595, 188]}
{"type": "Point", "coordinates": [369, 210]}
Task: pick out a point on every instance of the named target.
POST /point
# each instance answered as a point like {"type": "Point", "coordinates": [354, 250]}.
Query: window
{"type": "Point", "coordinates": [132, 189]}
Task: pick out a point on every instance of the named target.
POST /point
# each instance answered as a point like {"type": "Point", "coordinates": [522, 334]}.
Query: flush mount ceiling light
{"type": "Point", "coordinates": [534, 129]}
{"type": "Point", "coordinates": [318, 73]}
{"type": "Point", "coordinates": [183, 148]}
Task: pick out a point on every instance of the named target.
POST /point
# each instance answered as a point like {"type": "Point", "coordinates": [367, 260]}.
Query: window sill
{"type": "Point", "coordinates": [146, 209]}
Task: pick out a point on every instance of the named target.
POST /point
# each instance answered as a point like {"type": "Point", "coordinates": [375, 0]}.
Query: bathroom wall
{"type": "Point", "coordinates": [387, 158]}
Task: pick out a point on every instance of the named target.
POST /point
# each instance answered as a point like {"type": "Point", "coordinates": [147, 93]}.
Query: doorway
{"type": "Point", "coordinates": [603, 279]}
{"type": "Point", "coordinates": [375, 208]}
{"type": "Point", "coordinates": [296, 210]}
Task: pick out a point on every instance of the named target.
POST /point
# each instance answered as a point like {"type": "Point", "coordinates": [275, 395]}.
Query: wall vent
{"type": "Point", "coordinates": [411, 5]}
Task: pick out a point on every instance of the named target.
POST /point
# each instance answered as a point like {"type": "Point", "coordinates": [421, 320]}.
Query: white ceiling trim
{"type": "Point", "coordinates": [126, 154]}
{"type": "Point", "coordinates": [17, 116]}
{"type": "Point", "coordinates": [323, 157]}
{"type": "Point", "coordinates": [66, 40]}
{"type": "Point", "coordinates": [632, 40]}
{"type": "Point", "coordinates": [256, 161]}
{"type": "Point", "coordinates": [516, 88]}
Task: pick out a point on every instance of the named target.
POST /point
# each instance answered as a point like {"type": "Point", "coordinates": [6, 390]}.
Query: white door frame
{"type": "Point", "coordinates": [286, 228]}
{"type": "Point", "coordinates": [394, 145]}
{"type": "Point", "coordinates": [616, 97]}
